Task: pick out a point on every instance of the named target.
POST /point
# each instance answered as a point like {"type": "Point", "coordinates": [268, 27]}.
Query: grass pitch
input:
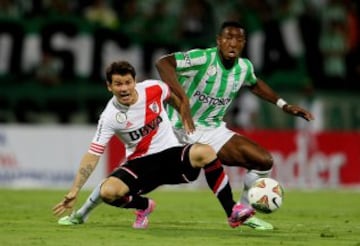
{"type": "Point", "coordinates": [182, 218]}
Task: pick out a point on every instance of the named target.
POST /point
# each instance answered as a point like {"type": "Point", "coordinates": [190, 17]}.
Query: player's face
{"type": "Point", "coordinates": [231, 42]}
{"type": "Point", "coordinates": [123, 88]}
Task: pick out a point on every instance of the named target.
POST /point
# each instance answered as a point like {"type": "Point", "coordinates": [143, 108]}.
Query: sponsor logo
{"type": "Point", "coordinates": [211, 100]}
{"type": "Point", "coordinates": [146, 129]}
{"type": "Point", "coordinates": [128, 124]}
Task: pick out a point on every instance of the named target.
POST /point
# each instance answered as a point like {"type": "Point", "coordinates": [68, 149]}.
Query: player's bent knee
{"type": "Point", "coordinates": [201, 155]}
{"type": "Point", "coordinates": [112, 189]}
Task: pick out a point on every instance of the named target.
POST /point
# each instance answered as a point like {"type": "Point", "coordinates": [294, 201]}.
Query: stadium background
{"type": "Point", "coordinates": [53, 54]}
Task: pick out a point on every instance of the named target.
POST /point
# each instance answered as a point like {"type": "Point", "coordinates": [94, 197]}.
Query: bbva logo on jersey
{"type": "Point", "coordinates": [146, 129]}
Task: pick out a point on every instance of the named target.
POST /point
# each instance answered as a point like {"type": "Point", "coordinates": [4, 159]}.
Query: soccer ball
{"type": "Point", "coordinates": [266, 195]}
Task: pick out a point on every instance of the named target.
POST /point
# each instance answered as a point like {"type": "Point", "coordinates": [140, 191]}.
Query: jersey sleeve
{"type": "Point", "coordinates": [165, 89]}
{"type": "Point", "coordinates": [103, 134]}
{"type": "Point", "coordinates": [250, 77]}
{"type": "Point", "coordinates": [189, 59]}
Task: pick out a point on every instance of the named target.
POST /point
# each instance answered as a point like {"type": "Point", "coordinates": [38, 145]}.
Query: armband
{"type": "Point", "coordinates": [281, 103]}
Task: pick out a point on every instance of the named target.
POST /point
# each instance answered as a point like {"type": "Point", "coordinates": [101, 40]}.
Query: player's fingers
{"type": "Point", "coordinates": [295, 110]}
{"type": "Point", "coordinates": [306, 115]}
{"type": "Point", "coordinates": [189, 126]}
{"type": "Point", "coordinates": [57, 206]}
{"type": "Point", "coordinates": [59, 209]}
{"type": "Point", "coordinates": [59, 212]}
{"type": "Point", "coordinates": [188, 129]}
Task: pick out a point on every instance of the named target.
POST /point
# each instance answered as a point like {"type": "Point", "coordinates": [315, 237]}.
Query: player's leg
{"type": "Point", "coordinates": [240, 151]}
{"type": "Point", "coordinates": [215, 175]}
{"type": "Point", "coordinates": [121, 189]}
{"type": "Point", "coordinates": [202, 155]}
{"type": "Point", "coordinates": [91, 202]}
{"type": "Point", "coordinates": [81, 215]}
{"type": "Point", "coordinates": [96, 197]}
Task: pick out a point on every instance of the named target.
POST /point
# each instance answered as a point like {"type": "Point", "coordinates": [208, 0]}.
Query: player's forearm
{"type": "Point", "coordinates": [175, 102]}
{"type": "Point", "coordinates": [87, 166]}
{"type": "Point", "coordinates": [262, 90]}
{"type": "Point", "coordinates": [265, 92]}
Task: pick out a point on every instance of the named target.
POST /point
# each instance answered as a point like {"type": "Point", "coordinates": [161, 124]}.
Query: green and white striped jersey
{"type": "Point", "coordinates": [209, 86]}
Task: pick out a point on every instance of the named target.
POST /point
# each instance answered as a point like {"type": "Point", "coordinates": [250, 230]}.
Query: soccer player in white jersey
{"type": "Point", "coordinates": [207, 81]}
{"type": "Point", "coordinates": [136, 115]}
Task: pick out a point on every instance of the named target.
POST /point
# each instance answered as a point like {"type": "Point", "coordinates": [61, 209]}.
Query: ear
{"type": "Point", "coordinates": [108, 85]}
{"type": "Point", "coordinates": [218, 40]}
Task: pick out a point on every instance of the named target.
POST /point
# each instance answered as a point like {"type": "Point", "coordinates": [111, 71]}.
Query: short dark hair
{"type": "Point", "coordinates": [226, 24]}
{"type": "Point", "coordinates": [119, 67]}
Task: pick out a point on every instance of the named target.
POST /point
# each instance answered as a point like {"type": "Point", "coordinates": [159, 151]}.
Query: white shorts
{"type": "Point", "coordinates": [215, 137]}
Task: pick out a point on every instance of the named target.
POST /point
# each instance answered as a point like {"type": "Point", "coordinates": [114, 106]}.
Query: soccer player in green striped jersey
{"type": "Point", "coordinates": [207, 81]}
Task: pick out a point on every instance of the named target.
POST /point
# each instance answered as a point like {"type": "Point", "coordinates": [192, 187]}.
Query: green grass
{"type": "Point", "coordinates": [182, 218]}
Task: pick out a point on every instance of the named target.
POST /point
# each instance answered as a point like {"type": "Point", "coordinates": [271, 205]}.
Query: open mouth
{"type": "Point", "coordinates": [232, 53]}
{"type": "Point", "coordinates": [125, 96]}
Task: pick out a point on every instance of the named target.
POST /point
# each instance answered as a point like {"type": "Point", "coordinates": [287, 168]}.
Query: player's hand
{"type": "Point", "coordinates": [183, 108]}
{"type": "Point", "coordinates": [189, 125]}
{"type": "Point", "coordinates": [66, 204]}
{"type": "Point", "coordinates": [298, 111]}
{"type": "Point", "coordinates": [186, 118]}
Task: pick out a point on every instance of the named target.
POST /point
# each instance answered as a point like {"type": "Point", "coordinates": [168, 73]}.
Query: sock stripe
{"type": "Point", "coordinates": [213, 166]}
{"type": "Point", "coordinates": [221, 182]}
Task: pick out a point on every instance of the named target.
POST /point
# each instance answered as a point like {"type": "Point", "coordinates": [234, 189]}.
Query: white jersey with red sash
{"type": "Point", "coordinates": [143, 127]}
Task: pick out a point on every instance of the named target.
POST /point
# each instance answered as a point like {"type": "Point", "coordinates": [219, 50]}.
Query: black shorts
{"type": "Point", "coordinates": [144, 174]}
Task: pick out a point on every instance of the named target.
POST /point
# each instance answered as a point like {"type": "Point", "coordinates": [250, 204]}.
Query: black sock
{"type": "Point", "coordinates": [135, 201]}
{"type": "Point", "coordinates": [138, 202]}
{"type": "Point", "coordinates": [121, 202]}
{"type": "Point", "coordinates": [218, 182]}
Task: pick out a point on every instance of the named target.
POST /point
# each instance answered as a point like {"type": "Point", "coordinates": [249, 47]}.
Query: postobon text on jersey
{"type": "Point", "coordinates": [211, 100]}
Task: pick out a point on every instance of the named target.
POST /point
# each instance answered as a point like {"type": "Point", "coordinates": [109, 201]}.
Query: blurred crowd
{"type": "Point", "coordinates": [324, 32]}
{"type": "Point", "coordinates": [313, 42]}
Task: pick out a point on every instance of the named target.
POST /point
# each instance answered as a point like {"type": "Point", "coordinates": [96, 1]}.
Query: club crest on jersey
{"type": "Point", "coordinates": [211, 71]}
{"type": "Point", "coordinates": [154, 107]}
{"type": "Point", "coordinates": [187, 58]}
{"type": "Point", "coordinates": [121, 117]}
{"type": "Point", "coordinates": [235, 87]}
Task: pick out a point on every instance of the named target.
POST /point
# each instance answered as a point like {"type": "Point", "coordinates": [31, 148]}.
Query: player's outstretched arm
{"type": "Point", "coordinates": [87, 166]}
{"type": "Point", "coordinates": [264, 91]}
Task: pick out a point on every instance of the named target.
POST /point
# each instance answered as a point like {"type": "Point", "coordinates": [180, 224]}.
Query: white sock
{"type": "Point", "coordinates": [250, 178]}
{"type": "Point", "coordinates": [91, 202]}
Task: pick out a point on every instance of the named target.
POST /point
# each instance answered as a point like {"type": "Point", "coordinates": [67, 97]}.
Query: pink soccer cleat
{"type": "Point", "coordinates": [142, 221]}
{"type": "Point", "coordinates": [240, 213]}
